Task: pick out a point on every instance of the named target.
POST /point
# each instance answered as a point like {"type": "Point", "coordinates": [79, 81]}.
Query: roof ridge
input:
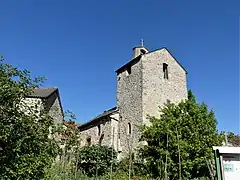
{"type": "Point", "coordinates": [101, 115]}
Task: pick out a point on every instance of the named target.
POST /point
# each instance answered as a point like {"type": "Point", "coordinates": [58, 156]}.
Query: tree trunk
{"type": "Point", "coordinates": [165, 170]}
{"type": "Point", "coordinates": [179, 159]}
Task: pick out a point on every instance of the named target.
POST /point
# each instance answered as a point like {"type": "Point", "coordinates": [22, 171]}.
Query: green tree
{"type": "Point", "coordinates": [69, 138]}
{"type": "Point", "coordinates": [25, 147]}
{"type": "Point", "coordinates": [96, 160]}
{"type": "Point", "coordinates": [180, 141]}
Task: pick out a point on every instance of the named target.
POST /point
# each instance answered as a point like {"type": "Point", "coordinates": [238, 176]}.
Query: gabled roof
{"type": "Point", "coordinates": [42, 92]}
{"type": "Point", "coordinates": [171, 55]}
{"type": "Point", "coordinates": [99, 117]}
{"type": "Point", "coordinates": [131, 62]}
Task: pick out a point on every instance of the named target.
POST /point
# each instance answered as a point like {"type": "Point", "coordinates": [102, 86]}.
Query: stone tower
{"type": "Point", "coordinates": [146, 82]}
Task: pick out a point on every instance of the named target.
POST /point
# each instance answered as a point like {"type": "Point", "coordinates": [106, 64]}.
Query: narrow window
{"type": "Point", "coordinates": [165, 71]}
{"type": "Point", "coordinates": [101, 139]}
{"type": "Point", "coordinates": [99, 130]}
{"type": "Point", "coordinates": [129, 128]}
{"type": "Point", "coordinates": [89, 141]}
{"type": "Point", "coordinates": [129, 70]}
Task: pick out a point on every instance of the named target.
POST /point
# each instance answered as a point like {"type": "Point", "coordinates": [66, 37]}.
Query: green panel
{"type": "Point", "coordinates": [218, 165]}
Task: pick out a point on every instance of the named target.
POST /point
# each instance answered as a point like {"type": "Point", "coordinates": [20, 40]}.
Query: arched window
{"type": "Point", "coordinates": [129, 128]}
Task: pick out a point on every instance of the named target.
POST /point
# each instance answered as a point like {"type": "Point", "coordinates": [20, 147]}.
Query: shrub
{"type": "Point", "coordinates": [97, 160]}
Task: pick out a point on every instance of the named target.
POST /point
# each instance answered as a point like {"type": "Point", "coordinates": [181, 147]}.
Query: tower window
{"type": "Point", "coordinates": [165, 70]}
{"type": "Point", "coordinates": [89, 141]}
{"type": "Point", "coordinates": [99, 130]}
{"type": "Point", "coordinates": [129, 70]}
{"type": "Point", "coordinates": [101, 139]}
{"type": "Point", "coordinates": [129, 128]}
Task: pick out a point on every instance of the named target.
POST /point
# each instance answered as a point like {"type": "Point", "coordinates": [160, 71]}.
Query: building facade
{"type": "Point", "coordinates": [145, 83]}
{"type": "Point", "coordinates": [44, 98]}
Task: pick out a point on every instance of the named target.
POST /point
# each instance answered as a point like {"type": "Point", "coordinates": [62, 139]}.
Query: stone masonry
{"type": "Point", "coordinates": [144, 84]}
{"type": "Point", "coordinates": [44, 98]}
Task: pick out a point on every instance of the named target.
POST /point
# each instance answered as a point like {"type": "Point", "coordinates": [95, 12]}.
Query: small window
{"type": "Point", "coordinates": [89, 141]}
{"type": "Point", "coordinates": [99, 130]}
{"type": "Point", "coordinates": [101, 139]}
{"type": "Point", "coordinates": [129, 128]}
{"type": "Point", "coordinates": [165, 71]}
{"type": "Point", "coordinates": [129, 70]}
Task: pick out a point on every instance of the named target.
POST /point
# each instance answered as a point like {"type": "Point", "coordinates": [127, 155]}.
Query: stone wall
{"type": "Point", "coordinates": [129, 103]}
{"type": "Point", "coordinates": [55, 111]}
{"type": "Point", "coordinates": [142, 92]}
{"type": "Point", "coordinates": [156, 89]}
{"type": "Point", "coordinates": [31, 105]}
{"type": "Point", "coordinates": [114, 131]}
{"type": "Point", "coordinates": [108, 126]}
{"type": "Point", "coordinates": [53, 103]}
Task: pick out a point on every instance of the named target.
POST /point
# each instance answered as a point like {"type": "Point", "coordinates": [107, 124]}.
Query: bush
{"type": "Point", "coordinates": [137, 167]}
{"type": "Point", "coordinates": [97, 160]}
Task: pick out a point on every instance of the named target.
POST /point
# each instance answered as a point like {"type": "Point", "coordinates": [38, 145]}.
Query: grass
{"type": "Point", "coordinates": [60, 172]}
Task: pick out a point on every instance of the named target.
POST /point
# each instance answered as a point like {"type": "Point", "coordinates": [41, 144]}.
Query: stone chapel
{"type": "Point", "coordinates": [144, 84]}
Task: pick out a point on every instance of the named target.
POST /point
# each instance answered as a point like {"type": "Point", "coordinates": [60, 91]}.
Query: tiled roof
{"type": "Point", "coordinates": [42, 92]}
{"type": "Point", "coordinates": [104, 114]}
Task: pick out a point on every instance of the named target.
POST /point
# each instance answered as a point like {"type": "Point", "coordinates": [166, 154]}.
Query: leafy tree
{"type": "Point", "coordinates": [96, 160]}
{"type": "Point", "coordinates": [69, 138]}
{"type": "Point", "coordinates": [180, 141]}
{"type": "Point", "coordinates": [25, 147]}
{"type": "Point", "coordinates": [70, 133]}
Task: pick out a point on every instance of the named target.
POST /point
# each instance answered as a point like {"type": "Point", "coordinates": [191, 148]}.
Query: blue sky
{"type": "Point", "coordinates": [78, 45]}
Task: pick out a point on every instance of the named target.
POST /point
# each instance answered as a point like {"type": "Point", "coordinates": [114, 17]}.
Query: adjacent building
{"type": "Point", "coordinates": [45, 98]}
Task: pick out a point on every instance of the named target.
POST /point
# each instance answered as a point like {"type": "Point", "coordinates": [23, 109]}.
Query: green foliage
{"type": "Point", "coordinates": [137, 167]}
{"type": "Point", "coordinates": [56, 172]}
{"type": "Point", "coordinates": [70, 141]}
{"type": "Point", "coordinates": [25, 149]}
{"type": "Point", "coordinates": [69, 134]}
{"type": "Point", "coordinates": [97, 160]}
{"type": "Point", "coordinates": [181, 140]}
{"type": "Point", "coordinates": [233, 139]}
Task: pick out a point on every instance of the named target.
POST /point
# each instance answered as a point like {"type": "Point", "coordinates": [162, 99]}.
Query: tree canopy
{"type": "Point", "coordinates": [25, 149]}
{"type": "Point", "coordinates": [180, 140]}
